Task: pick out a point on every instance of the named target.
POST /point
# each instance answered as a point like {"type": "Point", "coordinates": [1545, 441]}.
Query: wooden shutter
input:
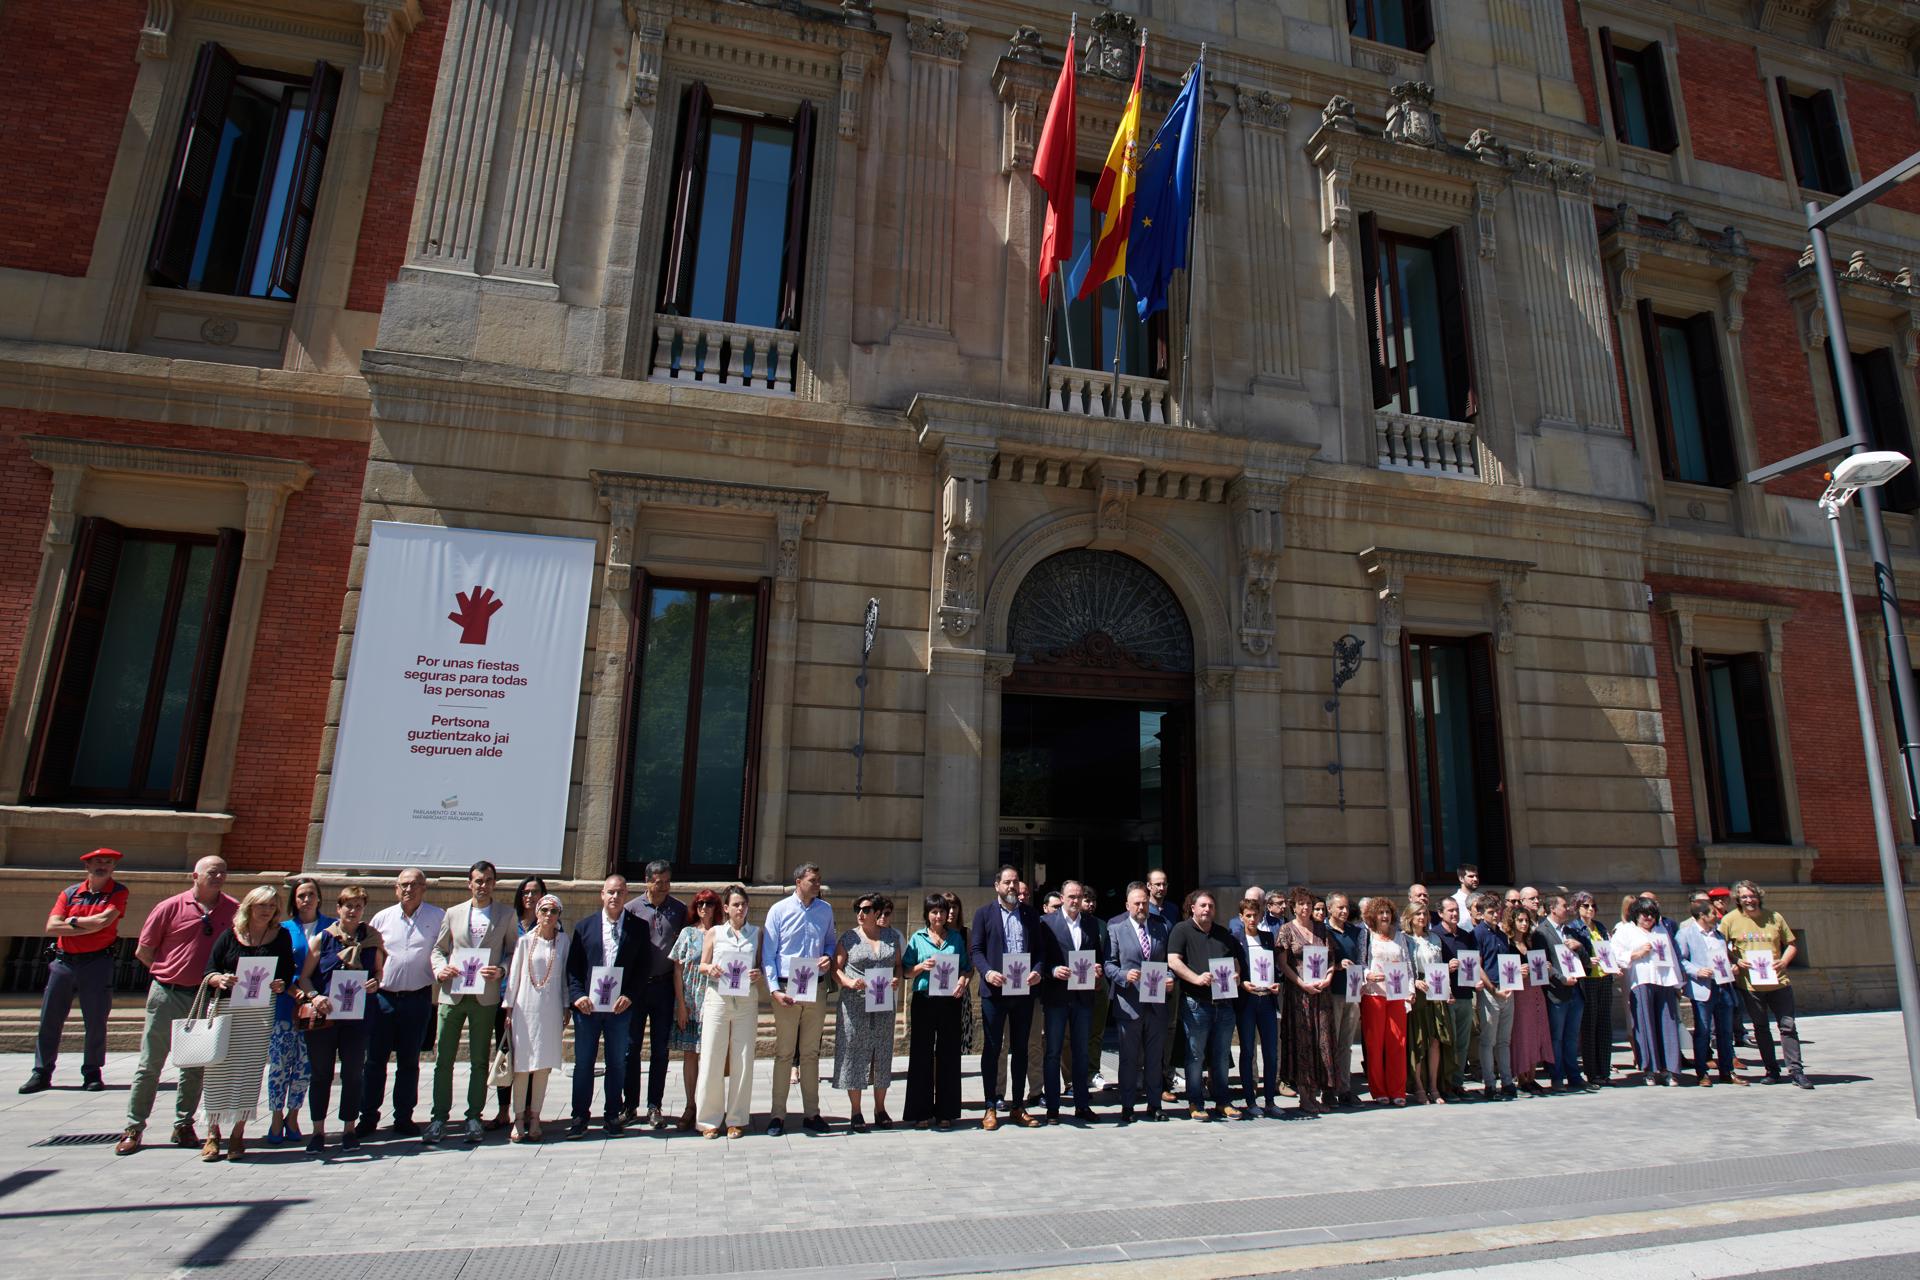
{"type": "Point", "coordinates": [793, 265]}
{"type": "Point", "coordinates": [76, 647]}
{"type": "Point", "coordinates": [1490, 784]}
{"type": "Point", "coordinates": [756, 700]}
{"type": "Point", "coordinates": [1657, 388]}
{"type": "Point", "coordinates": [1616, 101]}
{"type": "Point", "coordinates": [1784, 92]}
{"type": "Point", "coordinates": [1836, 176]}
{"type": "Point", "coordinates": [190, 181]}
{"type": "Point", "coordinates": [1353, 13]}
{"type": "Point", "coordinates": [1662, 133]}
{"type": "Point", "coordinates": [1376, 307]}
{"type": "Point", "coordinates": [1419, 15]}
{"type": "Point", "coordinates": [1764, 808]}
{"type": "Point", "coordinates": [1879, 385]}
{"type": "Point", "coordinates": [1456, 320]}
{"type": "Point", "coordinates": [215, 621]}
{"type": "Point", "coordinates": [1710, 753]}
{"type": "Point", "coordinates": [1716, 420]}
{"type": "Point", "coordinates": [690, 172]}
{"type": "Point", "coordinates": [303, 193]}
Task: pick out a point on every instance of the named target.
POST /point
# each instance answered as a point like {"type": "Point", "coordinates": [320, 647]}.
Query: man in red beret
{"type": "Point", "coordinates": [84, 923]}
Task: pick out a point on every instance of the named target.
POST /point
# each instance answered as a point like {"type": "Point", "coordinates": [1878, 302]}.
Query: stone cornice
{"type": "Point", "coordinates": [140, 459]}
{"type": "Point", "coordinates": [625, 493]}
{"type": "Point", "coordinates": [1388, 568]}
{"type": "Point", "coordinates": [1680, 249]}
{"type": "Point", "coordinates": [849, 28]}
{"type": "Point", "coordinates": [1685, 609]}
{"type": "Point", "coordinates": [1890, 297]}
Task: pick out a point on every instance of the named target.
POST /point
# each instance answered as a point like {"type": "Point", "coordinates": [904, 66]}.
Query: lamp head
{"type": "Point", "coordinates": [1868, 470]}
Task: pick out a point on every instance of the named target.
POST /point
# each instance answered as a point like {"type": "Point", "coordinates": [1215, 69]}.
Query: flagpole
{"type": "Point", "coordinates": [1193, 223]}
{"type": "Point", "coordinates": [1120, 317]}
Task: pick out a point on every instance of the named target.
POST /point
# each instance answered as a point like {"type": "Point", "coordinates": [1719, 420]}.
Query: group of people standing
{"type": "Point", "coordinates": [1512, 983]}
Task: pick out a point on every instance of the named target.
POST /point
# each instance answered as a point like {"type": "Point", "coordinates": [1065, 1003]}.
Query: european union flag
{"type": "Point", "coordinates": [1163, 200]}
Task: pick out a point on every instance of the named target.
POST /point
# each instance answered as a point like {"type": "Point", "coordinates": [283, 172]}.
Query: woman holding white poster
{"type": "Point", "coordinates": [534, 1000]}
{"type": "Point", "coordinates": [1258, 1017]}
{"type": "Point", "coordinates": [866, 965]}
{"type": "Point", "coordinates": [937, 962]}
{"type": "Point", "coordinates": [252, 959]}
{"type": "Point", "coordinates": [1656, 1002]}
{"type": "Point", "coordinates": [1309, 1061]}
{"type": "Point", "coordinates": [730, 958]}
{"type": "Point", "coordinates": [333, 1008]}
{"type": "Point", "coordinates": [1383, 1011]}
{"type": "Point", "coordinates": [1532, 1042]}
{"type": "Point", "coordinates": [1429, 1028]}
{"type": "Point", "coordinates": [1596, 1016]}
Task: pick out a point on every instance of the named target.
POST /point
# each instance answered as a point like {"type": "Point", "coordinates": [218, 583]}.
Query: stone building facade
{"type": "Point", "coordinates": [1414, 531]}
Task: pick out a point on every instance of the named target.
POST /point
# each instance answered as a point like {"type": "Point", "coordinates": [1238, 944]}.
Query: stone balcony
{"type": "Point", "coordinates": [1092, 393]}
{"type": "Point", "coordinates": [710, 353]}
{"type": "Point", "coordinates": [1409, 442]}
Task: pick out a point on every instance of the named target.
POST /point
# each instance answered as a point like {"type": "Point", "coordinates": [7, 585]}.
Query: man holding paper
{"type": "Point", "coordinates": [1138, 945]}
{"type": "Point", "coordinates": [1070, 957]}
{"type": "Point", "coordinates": [799, 931]}
{"type": "Point", "coordinates": [607, 965]}
{"type": "Point", "coordinates": [1709, 973]}
{"type": "Point", "coordinates": [1762, 946]}
{"type": "Point", "coordinates": [1005, 931]}
{"type": "Point", "coordinates": [1559, 935]}
{"type": "Point", "coordinates": [1193, 947]}
{"type": "Point", "coordinates": [477, 929]}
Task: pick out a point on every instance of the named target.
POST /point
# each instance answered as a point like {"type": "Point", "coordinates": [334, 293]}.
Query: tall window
{"type": "Point", "coordinates": [1637, 90]}
{"type": "Point", "coordinates": [1093, 330]}
{"type": "Point", "coordinates": [1417, 323]}
{"type": "Point", "coordinates": [240, 199]}
{"type": "Point", "coordinates": [1407, 23]}
{"type": "Point", "coordinates": [1736, 741]}
{"type": "Point", "coordinates": [136, 666]}
{"type": "Point", "coordinates": [692, 738]}
{"type": "Point", "coordinates": [736, 251]}
{"type": "Point", "coordinates": [1813, 136]}
{"type": "Point", "coordinates": [1689, 397]}
{"type": "Point", "coordinates": [1877, 378]}
{"type": "Point", "coordinates": [1459, 792]}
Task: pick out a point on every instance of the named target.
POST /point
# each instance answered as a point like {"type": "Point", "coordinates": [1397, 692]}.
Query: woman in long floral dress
{"type": "Point", "coordinates": [690, 992]}
{"type": "Point", "coordinates": [1307, 1059]}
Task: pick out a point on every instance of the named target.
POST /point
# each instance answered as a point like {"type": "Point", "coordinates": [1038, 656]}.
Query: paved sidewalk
{"type": "Point", "coordinates": [906, 1203]}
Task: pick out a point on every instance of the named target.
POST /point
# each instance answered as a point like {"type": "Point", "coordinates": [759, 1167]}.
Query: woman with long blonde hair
{"type": "Point", "coordinates": [231, 1094]}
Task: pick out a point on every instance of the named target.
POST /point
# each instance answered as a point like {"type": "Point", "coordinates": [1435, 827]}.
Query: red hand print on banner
{"type": "Point", "coordinates": [475, 613]}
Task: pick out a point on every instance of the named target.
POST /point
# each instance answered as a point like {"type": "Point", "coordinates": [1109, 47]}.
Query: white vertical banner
{"type": "Point", "coordinates": [456, 732]}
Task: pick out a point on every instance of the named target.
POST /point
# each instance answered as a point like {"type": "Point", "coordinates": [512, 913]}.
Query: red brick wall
{"type": "Point", "coordinates": [1779, 381]}
{"type": "Point", "coordinates": [396, 163]}
{"type": "Point", "coordinates": [286, 701]}
{"type": "Point", "coordinates": [1822, 730]}
{"type": "Point", "coordinates": [59, 133]}
{"type": "Point", "coordinates": [1728, 118]}
{"type": "Point", "coordinates": [1886, 130]}
{"type": "Point", "coordinates": [1579, 50]}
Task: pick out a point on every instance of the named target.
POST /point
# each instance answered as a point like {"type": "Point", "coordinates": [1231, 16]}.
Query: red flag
{"type": "Point", "coordinates": [1054, 168]}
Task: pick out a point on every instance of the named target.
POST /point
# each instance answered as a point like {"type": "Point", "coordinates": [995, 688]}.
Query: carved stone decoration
{"type": "Point", "coordinates": [1339, 114]}
{"type": "Point", "coordinates": [1259, 537]}
{"type": "Point", "coordinates": [1388, 568]}
{"type": "Point", "coordinates": [1633, 239]}
{"type": "Point", "coordinates": [649, 46]}
{"type": "Point", "coordinates": [1336, 196]}
{"type": "Point", "coordinates": [857, 13]}
{"type": "Point", "coordinates": [1484, 144]}
{"type": "Point", "coordinates": [219, 330]}
{"type": "Point", "coordinates": [1026, 45]}
{"type": "Point", "coordinates": [624, 494]}
{"type": "Point", "coordinates": [963, 523]}
{"type": "Point", "coordinates": [1411, 119]}
{"type": "Point", "coordinates": [1216, 684]}
{"type": "Point", "coordinates": [1264, 110]}
{"type": "Point", "coordinates": [936, 38]}
{"type": "Point", "coordinates": [384, 34]}
{"type": "Point", "coordinates": [1485, 206]}
{"type": "Point", "coordinates": [1680, 228]}
{"type": "Point", "coordinates": [789, 524]}
{"type": "Point", "coordinates": [853, 77]}
{"type": "Point", "coordinates": [1113, 48]}
{"type": "Point", "coordinates": [1115, 486]}
{"type": "Point", "coordinates": [997, 667]}
{"type": "Point", "coordinates": [1391, 614]}
{"type": "Point", "coordinates": [157, 30]}
{"type": "Point", "coordinates": [1099, 609]}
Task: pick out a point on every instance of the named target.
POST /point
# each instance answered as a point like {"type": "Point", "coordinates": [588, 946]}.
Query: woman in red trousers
{"type": "Point", "coordinates": [1383, 1003]}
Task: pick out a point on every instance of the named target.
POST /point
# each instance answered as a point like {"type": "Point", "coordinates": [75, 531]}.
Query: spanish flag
{"type": "Point", "coordinates": [1113, 196]}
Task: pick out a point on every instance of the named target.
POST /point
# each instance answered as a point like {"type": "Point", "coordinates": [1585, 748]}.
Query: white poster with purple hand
{"type": "Point", "coordinates": [1760, 969]}
{"type": "Point", "coordinates": [736, 969]}
{"type": "Point", "coordinates": [1154, 977]}
{"type": "Point", "coordinates": [603, 986]}
{"type": "Point", "coordinates": [1537, 974]}
{"type": "Point", "coordinates": [943, 979]}
{"type": "Point", "coordinates": [347, 990]}
{"type": "Point", "coordinates": [252, 982]}
{"type": "Point", "coordinates": [1356, 983]}
{"type": "Point", "coordinates": [1439, 989]}
{"type": "Point", "coordinates": [1399, 979]}
{"type": "Point", "coordinates": [1016, 967]}
{"type": "Point", "coordinates": [1513, 973]}
{"type": "Point", "coordinates": [1719, 962]}
{"type": "Point", "coordinates": [803, 986]}
{"type": "Point", "coordinates": [1259, 965]}
{"type": "Point", "coordinates": [1225, 972]}
{"type": "Point", "coordinates": [1469, 976]}
{"type": "Point", "coordinates": [1570, 967]}
{"type": "Point", "coordinates": [1081, 967]}
{"type": "Point", "coordinates": [467, 963]}
{"type": "Point", "coordinates": [880, 993]}
{"type": "Point", "coordinates": [1313, 962]}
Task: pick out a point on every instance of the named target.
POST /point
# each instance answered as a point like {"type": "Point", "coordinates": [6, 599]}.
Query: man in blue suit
{"type": "Point", "coordinates": [1004, 926]}
{"type": "Point", "coordinates": [608, 937]}
{"type": "Point", "coordinates": [1069, 1013]}
{"type": "Point", "coordinates": [1132, 938]}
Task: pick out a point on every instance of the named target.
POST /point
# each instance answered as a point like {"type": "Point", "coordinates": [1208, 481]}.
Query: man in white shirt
{"type": "Point", "coordinates": [401, 1009]}
{"type": "Point", "coordinates": [1069, 1013]}
{"type": "Point", "coordinates": [1469, 885]}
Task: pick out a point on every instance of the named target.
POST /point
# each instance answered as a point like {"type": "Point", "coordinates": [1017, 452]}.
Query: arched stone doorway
{"type": "Point", "coordinates": [1096, 768]}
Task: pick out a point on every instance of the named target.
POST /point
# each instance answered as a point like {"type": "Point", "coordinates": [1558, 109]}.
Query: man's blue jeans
{"type": "Point", "coordinates": [1259, 1019]}
{"type": "Point", "coordinates": [1713, 1029]}
{"type": "Point", "coordinates": [1067, 1024]}
{"type": "Point", "coordinates": [1563, 1023]}
{"type": "Point", "coordinates": [1209, 1030]}
{"type": "Point", "coordinates": [589, 1030]}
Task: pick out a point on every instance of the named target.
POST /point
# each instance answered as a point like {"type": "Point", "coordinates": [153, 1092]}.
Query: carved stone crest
{"type": "Point", "coordinates": [1264, 109]}
{"type": "Point", "coordinates": [1112, 49]}
{"type": "Point", "coordinates": [936, 38]}
{"type": "Point", "coordinates": [1411, 120]}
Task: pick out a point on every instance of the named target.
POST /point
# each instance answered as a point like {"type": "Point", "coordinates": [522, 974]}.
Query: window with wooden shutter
{"type": "Point", "coordinates": [1419, 323]}
{"type": "Point", "coordinates": [1737, 748]}
{"type": "Point", "coordinates": [1819, 151]}
{"type": "Point", "coordinates": [1371, 282]}
{"type": "Point", "coordinates": [1456, 319]}
{"type": "Point", "coordinates": [1459, 800]}
{"type": "Point", "coordinates": [1637, 93]}
{"type": "Point", "coordinates": [1094, 332]}
{"type": "Point", "coordinates": [237, 212]}
{"type": "Point", "coordinates": [1687, 389]}
{"type": "Point", "coordinates": [136, 668]}
{"type": "Point", "coordinates": [1876, 376]}
{"type": "Point", "coordinates": [1407, 24]}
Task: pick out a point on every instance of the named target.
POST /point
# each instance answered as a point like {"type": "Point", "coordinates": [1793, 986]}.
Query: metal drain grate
{"type": "Point", "coordinates": [78, 1139]}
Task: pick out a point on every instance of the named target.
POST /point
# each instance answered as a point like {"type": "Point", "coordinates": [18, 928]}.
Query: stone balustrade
{"type": "Point", "coordinates": [713, 354]}
{"type": "Point", "coordinates": [1090, 392]}
{"type": "Point", "coordinates": [1408, 442]}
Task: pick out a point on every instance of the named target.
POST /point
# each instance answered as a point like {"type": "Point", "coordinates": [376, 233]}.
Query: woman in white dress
{"type": "Point", "coordinates": [727, 1023]}
{"type": "Point", "coordinates": [534, 999]}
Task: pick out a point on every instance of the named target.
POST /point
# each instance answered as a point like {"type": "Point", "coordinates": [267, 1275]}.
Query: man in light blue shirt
{"type": "Point", "coordinates": [1696, 946]}
{"type": "Point", "coordinates": [799, 931]}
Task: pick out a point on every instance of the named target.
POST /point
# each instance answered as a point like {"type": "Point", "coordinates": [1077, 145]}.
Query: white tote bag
{"type": "Point", "coordinates": [200, 1040]}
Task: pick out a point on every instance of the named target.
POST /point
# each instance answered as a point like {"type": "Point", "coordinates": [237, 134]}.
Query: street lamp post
{"type": "Point", "coordinates": [1863, 473]}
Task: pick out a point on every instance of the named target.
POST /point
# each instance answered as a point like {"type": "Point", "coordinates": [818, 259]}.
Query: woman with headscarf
{"type": "Point", "coordinates": [533, 1000]}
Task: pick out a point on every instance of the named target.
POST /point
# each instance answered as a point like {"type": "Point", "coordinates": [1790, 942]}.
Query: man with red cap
{"type": "Point", "coordinates": [84, 923]}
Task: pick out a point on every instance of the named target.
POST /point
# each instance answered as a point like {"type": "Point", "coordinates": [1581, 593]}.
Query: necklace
{"type": "Point", "coordinates": [534, 975]}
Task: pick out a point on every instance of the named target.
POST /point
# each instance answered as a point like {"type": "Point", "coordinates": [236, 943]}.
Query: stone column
{"type": "Point", "coordinates": [542, 150]}
{"type": "Point", "coordinates": [1270, 273]}
{"type": "Point", "coordinates": [607, 693]}
{"type": "Point", "coordinates": [954, 759]}
{"type": "Point", "coordinates": [628, 269]}
{"type": "Point", "coordinates": [998, 667]}
{"type": "Point", "coordinates": [776, 705]}
{"type": "Point", "coordinates": [1260, 811]}
{"type": "Point", "coordinates": [1392, 677]}
{"type": "Point", "coordinates": [933, 123]}
{"type": "Point", "coordinates": [458, 158]}
{"type": "Point", "coordinates": [1216, 768]}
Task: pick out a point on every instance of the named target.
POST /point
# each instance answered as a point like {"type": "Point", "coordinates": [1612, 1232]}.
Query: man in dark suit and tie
{"type": "Point", "coordinates": [1069, 1013]}
{"type": "Point", "coordinates": [1003, 926]}
{"type": "Point", "coordinates": [608, 937]}
{"type": "Point", "coordinates": [1132, 938]}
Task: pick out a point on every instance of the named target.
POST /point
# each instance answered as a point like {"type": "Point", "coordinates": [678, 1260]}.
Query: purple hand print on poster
{"type": "Point", "coordinates": [345, 991]}
{"type": "Point", "coordinates": [1226, 978]}
{"type": "Point", "coordinates": [879, 993]}
{"type": "Point", "coordinates": [1080, 966]}
{"type": "Point", "coordinates": [1396, 982]}
{"type": "Point", "coordinates": [1153, 985]}
{"type": "Point", "coordinates": [1511, 970]}
{"type": "Point", "coordinates": [1016, 972]}
{"type": "Point", "coordinates": [1315, 960]}
{"type": "Point", "coordinates": [470, 973]}
{"type": "Point", "coordinates": [733, 977]}
{"type": "Point", "coordinates": [251, 983]}
{"type": "Point", "coordinates": [252, 979]}
{"type": "Point", "coordinates": [800, 984]}
{"type": "Point", "coordinates": [1537, 968]}
{"type": "Point", "coordinates": [604, 987]}
{"type": "Point", "coordinates": [941, 977]}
